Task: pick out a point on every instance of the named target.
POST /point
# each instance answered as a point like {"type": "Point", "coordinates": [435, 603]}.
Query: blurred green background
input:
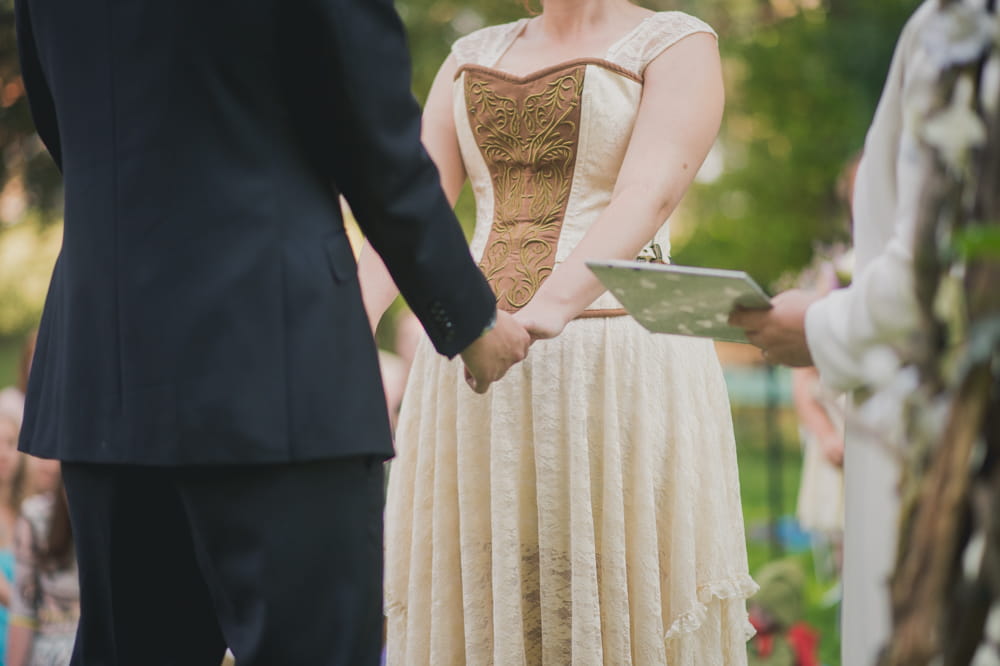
{"type": "Point", "coordinates": [802, 79]}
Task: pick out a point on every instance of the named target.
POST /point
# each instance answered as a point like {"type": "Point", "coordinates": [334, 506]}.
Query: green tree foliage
{"type": "Point", "coordinates": [802, 90]}
{"type": "Point", "coordinates": [29, 179]}
{"type": "Point", "coordinates": [30, 195]}
{"type": "Point", "coordinates": [802, 80]}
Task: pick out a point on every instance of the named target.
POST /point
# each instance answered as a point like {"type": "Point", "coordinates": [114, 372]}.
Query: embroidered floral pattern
{"type": "Point", "coordinates": [527, 131]}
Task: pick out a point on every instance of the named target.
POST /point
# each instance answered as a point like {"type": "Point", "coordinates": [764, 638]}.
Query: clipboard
{"type": "Point", "coordinates": [682, 300]}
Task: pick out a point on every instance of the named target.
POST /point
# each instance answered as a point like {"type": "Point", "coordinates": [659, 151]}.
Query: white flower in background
{"type": "Point", "coordinates": [985, 656]}
{"type": "Point", "coordinates": [955, 130]}
{"type": "Point", "coordinates": [843, 264]}
{"type": "Point", "coordinates": [992, 627]}
{"type": "Point", "coordinates": [467, 20]}
{"type": "Point", "coordinates": [932, 416]}
{"type": "Point", "coordinates": [972, 558]}
{"type": "Point", "coordinates": [959, 33]}
{"type": "Point", "coordinates": [881, 365]}
{"type": "Point", "coordinates": [883, 413]}
{"type": "Point", "coordinates": [949, 301]}
{"type": "Point", "coordinates": [989, 84]}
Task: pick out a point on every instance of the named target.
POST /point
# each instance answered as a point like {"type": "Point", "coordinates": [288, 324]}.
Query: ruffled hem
{"type": "Point", "coordinates": [691, 621]}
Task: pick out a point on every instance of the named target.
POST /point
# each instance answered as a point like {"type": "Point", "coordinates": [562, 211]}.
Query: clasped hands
{"type": "Point", "coordinates": [494, 353]}
{"type": "Point", "coordinates": [779, 332]}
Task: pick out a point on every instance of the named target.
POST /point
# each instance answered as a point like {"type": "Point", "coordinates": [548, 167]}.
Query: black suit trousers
{"type": "Point", "coordinates": [282, 563]}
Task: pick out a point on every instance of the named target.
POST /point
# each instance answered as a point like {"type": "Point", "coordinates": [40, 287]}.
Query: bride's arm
{"type": "Point", "coordinates": [441, 141]}
{"type": "Point", "coordinates": [677, 122]}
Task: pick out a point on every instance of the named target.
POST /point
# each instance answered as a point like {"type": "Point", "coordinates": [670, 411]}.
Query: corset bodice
{"type": "Point", "coordinates": [543, 151]}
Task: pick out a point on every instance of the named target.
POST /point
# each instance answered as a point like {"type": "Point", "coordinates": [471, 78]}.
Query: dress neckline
{"type": "Point", "coordinates": [518, 28]}
{"type": "Point", "coordinates": [551, 69]}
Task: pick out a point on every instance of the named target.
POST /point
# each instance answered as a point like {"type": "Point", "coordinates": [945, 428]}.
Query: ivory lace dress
{"type": "Point", "coordinates": [585, 510]}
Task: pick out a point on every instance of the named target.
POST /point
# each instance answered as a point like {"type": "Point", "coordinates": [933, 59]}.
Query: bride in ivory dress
{"type": "Point", "coordinates": [586, 509]}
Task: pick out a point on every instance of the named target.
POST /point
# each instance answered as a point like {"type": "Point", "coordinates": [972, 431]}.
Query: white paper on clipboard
{"type": "Point", "coordinates": [681, 300]}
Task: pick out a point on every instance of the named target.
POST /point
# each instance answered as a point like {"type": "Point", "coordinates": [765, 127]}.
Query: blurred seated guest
{"type": "Point", "coordinates": [821, 426]}
{"type": "Point", "coordinates": [13, 472]}
{"type": "Point", "coordinates": [395, 365]}
{"type": "Point", "coordinates": [43, 476]}
{"type": "Point", "coordinates": [13, 396]}
{"type": "Point", "coordinates": [820, 508]}
{"type": "Point", "coordinates": [782, 639]}
{"type": "Point", "coordinates": [394, 371]}
{"type": "Point", "coordinates": [45, 604]}
{"type": "Point", "coordinates": [13, 483]}
{"type": "Point", "coordinates": [408, 332]}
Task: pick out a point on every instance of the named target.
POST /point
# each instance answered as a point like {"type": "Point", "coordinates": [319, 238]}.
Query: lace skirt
{"type": "Point", "coordinates": [584, 511]}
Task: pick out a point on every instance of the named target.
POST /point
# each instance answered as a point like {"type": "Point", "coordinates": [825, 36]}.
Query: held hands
{"type": "Point", "coordinates": [779, 332]}
{"type": "Point", "coordinates": [540, 321]}
{"type": "Point", "coordinates": [489, 357]}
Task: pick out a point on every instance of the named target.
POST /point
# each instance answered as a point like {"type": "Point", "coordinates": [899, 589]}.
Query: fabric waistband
{"type": "Point", "coordinates": [606, 312]}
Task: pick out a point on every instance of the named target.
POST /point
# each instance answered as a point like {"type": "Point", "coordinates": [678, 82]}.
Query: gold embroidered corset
{"type": "Point", "coordinates": [543, 151]}
{"type": "Point", "coordinates": [528, 135]}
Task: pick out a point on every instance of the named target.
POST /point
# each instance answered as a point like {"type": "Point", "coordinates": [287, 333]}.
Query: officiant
{"type": "Point", "coordinates": [840, 332]}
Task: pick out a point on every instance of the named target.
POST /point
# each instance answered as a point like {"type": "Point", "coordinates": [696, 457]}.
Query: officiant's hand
{"type": "Point", "coordinates": [492, 355]}
{"type": "Point", "coordinates": [781, 331]}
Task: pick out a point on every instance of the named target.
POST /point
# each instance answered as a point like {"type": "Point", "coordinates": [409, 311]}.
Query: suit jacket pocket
{"type": "Point", "coordinates": [340, 255]}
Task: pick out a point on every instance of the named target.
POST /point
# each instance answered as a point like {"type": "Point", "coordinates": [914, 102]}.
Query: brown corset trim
{"type": "Point", "coordinates": [608, 312]}
{"type": "Point", "coordinates": [569, 64]}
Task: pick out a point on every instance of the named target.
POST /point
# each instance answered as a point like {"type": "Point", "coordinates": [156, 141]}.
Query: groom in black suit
{"type": "Point", "coordinates": [205, 370]}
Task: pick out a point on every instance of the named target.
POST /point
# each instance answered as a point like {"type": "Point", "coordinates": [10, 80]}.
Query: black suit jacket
{"type": "Point", "coordinates": [205, 307]}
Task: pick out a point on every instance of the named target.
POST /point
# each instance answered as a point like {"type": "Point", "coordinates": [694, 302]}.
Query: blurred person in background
{"type": "Point", "coordinates": [394, 370]}
{"type": "Point", "coordinates": [820, 501]}
{"type": "Point", "coordinates": [408, 335]}
{"type": "Point", "coordinates": [45, 604]}
{"type": "Point", "coordinates": [820, 507]}
{"type": "Point", "coordinates": [44, 475]}
{"type": "Point", "coordinates": [821, 413]}
{"type": "Point", "coordinates": [13, 485]}
{"type": "Point", "coordinates": [395, 365]}
{"type": "Point", "coordinates": [37, 475]}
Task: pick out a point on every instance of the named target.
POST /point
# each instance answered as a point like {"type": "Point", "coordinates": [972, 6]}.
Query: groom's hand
{"type": "Point", "coordinates": [781, 331]}
{"type": "Point", "coordinates": [488, 358]}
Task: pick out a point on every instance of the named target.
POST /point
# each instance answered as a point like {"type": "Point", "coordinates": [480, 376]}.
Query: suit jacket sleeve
{"type": "Point", "coordinates": [371, 139]}
{"type": "Point", "coordinates": [43, 110]}
{"type": "Point", "coordinates": [880, 307]}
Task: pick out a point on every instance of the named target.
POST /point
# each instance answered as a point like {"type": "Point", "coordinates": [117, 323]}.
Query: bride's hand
{"type": "Point", "coordinates": [540, 322]}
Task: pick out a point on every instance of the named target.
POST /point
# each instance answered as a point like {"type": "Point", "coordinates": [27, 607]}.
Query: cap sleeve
{"type": "Point", "coordinates": [653, 37]}
{"type": "Point", "coordinates": [485, 46]}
